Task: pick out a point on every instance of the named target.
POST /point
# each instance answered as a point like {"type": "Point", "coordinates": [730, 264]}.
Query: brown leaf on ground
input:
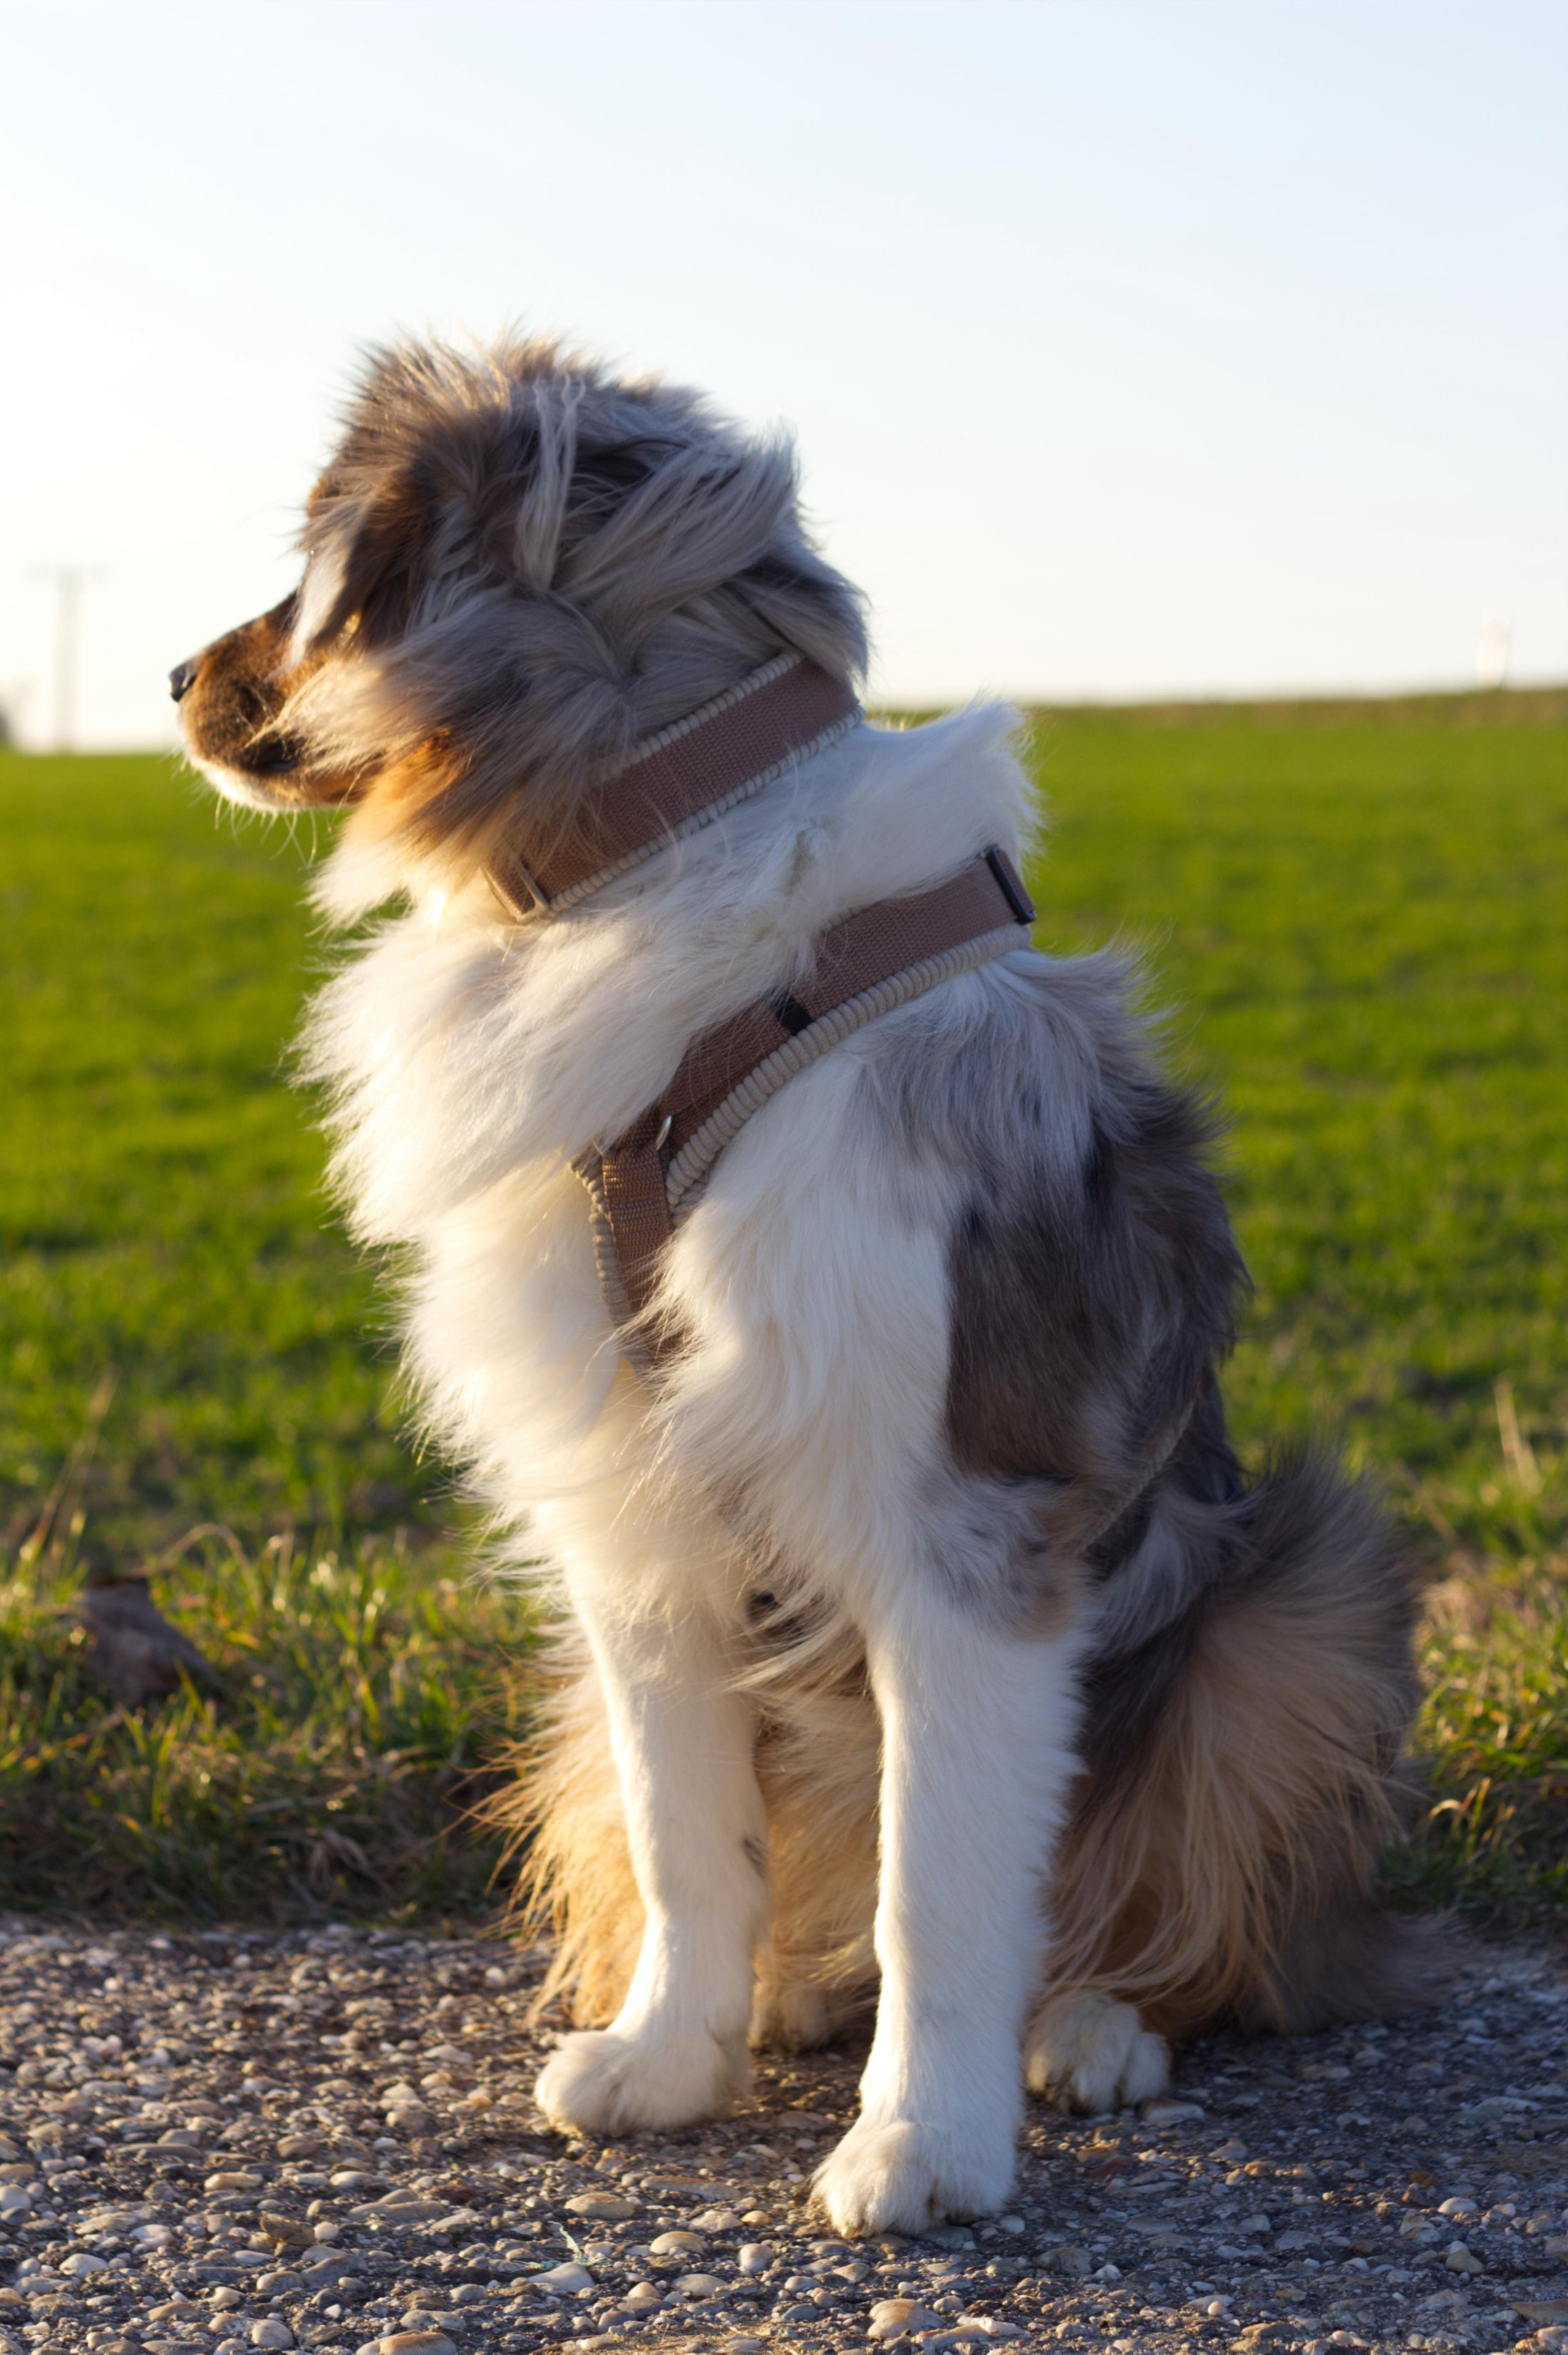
{"type": "Point", "coordinates": [133, 1649]}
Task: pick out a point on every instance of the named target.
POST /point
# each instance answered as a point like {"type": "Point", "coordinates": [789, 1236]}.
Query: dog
{"type": "Point", "coordinates": [919, 1642]}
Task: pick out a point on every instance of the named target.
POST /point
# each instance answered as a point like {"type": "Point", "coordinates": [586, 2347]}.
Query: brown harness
{"type": "Point", "coordinates": [882, 956]}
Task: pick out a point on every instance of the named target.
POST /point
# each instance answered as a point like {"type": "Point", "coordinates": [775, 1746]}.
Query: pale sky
{"type": "Point", "coordinates": [1133, 346]}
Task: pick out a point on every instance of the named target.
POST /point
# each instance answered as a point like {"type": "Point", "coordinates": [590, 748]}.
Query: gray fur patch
{"type": "Point", "coordinates": [1092, 1274]}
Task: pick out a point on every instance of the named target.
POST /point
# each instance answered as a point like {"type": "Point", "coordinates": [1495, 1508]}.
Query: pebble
{"type": "Point", "coordinates": [271, 2334]}
{"type": "Point", "coordinates": [1461, 2259]}
{"type": "Point", "coordinates": [602, 2207]}
{"type": "Point", "coordinates": [406, 2236]}
{"type": "Point", "coordinates": [289, 2232]}
{"type": "Point", "coordinates": [563, 2280]}
{"type": "Point", "coordinates": [898, 2318]}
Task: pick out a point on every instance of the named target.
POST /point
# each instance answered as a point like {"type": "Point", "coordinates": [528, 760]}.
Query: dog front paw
{"type": "Point", "coordinates": [608, 2080]}
{"type": "Point", "coordinates": [902, 2174]}
{"type": "Point", "coordinates": [1090, 2052]}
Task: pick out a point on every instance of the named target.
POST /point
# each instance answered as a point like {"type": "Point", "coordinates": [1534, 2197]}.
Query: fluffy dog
{"type": "Point", "coordinates": [922, 1641]}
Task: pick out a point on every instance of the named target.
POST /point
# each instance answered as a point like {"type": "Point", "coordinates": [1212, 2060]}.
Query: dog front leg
{"type": "Point", "coordinates": [977, 1726]}
{"type": "Point", "coordinates": [676, 2051]}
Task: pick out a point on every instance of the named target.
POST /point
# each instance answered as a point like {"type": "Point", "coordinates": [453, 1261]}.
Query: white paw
{"type": "Point", "coordinates": [1091, 2053]}
{"type": "Point", "coordinates": [610, 2081]}
{"type": "Point", "coordinates": [901, 2176]}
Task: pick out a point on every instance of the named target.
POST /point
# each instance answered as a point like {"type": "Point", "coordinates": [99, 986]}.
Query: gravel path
{"type": "Point", "coordinates": [230, 2142]}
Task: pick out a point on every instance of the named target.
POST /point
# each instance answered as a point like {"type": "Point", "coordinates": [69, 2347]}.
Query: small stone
{"type": "Point", "coordinates": [271, 2333]}
{"type": "Point", "coordinates": [288, 2232]}
{"type": "Point", "coordinates": [83, 2261]}
{"type": "Point", "coordinates": [1461, 2259]}
{"type": "Point", "coordinates": [221, 2301]}
{"type": "Point", "coordinates": [414, 2342]}
{"type": "Point", "coordinates": [562, 2281]}
{"type": "Point", "coordinates": [700, 2285]}
{"type": "Point", "coordinates": [900, 2317]}
{"type": "Point", "coordinates": [677, 2244]}
{"type": "Point", "coordinates": [644, 2294]}
{"type": "Point", "coordinates": [1163, 2113]}
{"type": "Point", "coordinates": [743, 2346]}
{"type": "Point", "coordinates": [274, 2285]}
{"type": "Point", "coordinates": [1459, 2206]}
{"type": "Point", "coordinates": [233, 2179]}
{"type": "Point", "coordinates": [1010, 2224]}
{"type": "Point", "coordinates": [602, 2207]}
{"type": "Point", "coordinates": [755, 2256]}
{"type": "Point", "coordinates": [400, 2208]}
{"type": "Point", "coordinates": [1071, 2260]}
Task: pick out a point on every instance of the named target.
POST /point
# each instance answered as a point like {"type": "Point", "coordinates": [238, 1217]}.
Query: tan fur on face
{"type": "Point", "coordinates": [232, 716]}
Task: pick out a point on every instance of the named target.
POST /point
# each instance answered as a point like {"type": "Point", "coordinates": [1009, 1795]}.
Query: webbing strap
{"type": "Point", "coordinates": [687, 774]}
{"type": "Point", "coordinates": [914, 937]}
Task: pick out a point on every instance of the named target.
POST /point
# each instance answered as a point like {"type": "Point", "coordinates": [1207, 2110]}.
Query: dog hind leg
{"type": "Point", "coordinates": [1087, 2052]}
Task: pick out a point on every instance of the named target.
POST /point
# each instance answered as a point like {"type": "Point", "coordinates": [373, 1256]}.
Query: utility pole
{"type": "Point", "coordinates": [69, 581]}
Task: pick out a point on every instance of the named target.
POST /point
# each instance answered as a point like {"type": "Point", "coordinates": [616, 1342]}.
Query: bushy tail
{"type": "Point", "coordinates": [1239, 1781]}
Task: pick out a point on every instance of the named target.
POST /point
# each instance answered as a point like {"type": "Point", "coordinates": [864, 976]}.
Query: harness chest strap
{"type": "Point", "coordinates": [883, 957]}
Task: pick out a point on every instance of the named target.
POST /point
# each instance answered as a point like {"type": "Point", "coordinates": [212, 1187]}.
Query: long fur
{"type": "Point", "coordinates": [921, 1641]}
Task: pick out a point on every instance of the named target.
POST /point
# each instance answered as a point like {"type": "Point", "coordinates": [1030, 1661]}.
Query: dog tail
{"type": "Point", "coordinates": [1239, 1778]}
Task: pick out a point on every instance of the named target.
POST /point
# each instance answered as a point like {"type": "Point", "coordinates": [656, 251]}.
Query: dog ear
{"type": "Point", "coordinates": [366, 550]}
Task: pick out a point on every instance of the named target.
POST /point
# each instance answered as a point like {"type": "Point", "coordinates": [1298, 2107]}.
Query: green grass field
{"type": "Point", "coordinates": [1355, 914]}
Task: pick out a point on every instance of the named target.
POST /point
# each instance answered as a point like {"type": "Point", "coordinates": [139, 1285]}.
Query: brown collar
{"type": "Point", "coordinates": [681, 779]}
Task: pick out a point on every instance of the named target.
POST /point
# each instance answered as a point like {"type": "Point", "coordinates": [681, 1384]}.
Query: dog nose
{"type": "Point", "coordinates": [182, 678]}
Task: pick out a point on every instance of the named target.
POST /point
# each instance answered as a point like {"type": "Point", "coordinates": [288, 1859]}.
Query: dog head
{"type": "Point", "coordinates": [516, 566]}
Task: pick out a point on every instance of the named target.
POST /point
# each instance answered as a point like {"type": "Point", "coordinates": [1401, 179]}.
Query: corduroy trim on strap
{"type": "Point", "coordinates": [675, 782]}
{"type": "Point", "coordinates": [880, 958]}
